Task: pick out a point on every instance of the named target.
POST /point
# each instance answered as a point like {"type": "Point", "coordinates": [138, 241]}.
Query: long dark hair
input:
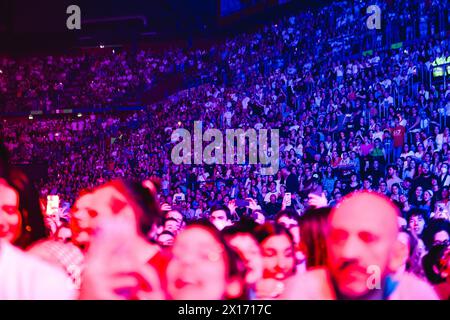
{"type": "Point", "coordinates": [269, 229]}
{"type": "Point", "coordinates": [33, 225]}
{"type": "Point", "coordinates": [144, 202]}
{"type": "Point", "coordinates": [314, 229]}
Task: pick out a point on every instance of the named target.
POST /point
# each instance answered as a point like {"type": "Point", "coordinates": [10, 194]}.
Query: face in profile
{"type": "Point", "coordinates": [278, 257]}
{"type": "Point", "coordinates": [10, 217]}
{"type": "Point", "coordinates": [82, 220]}
{"type": "Point", "coordinates": [106, 201]}
{"type": "Point", "coordinates": [250, 253]}
{"type": "Point", "coordinates": [198, 269]}
{"type": "Point", "coordinates": [363, 236]}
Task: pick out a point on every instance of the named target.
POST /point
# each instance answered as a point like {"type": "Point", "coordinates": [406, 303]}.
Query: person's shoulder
{"type": "Point", "coordinates": [314, 284]}
{"type": "Point", "coordinates": [410, 287]}
{"type": "Point", "coordinates": [47, 281]}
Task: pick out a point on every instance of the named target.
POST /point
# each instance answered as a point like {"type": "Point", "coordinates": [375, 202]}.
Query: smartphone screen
{"type": "Point", "coordinates": [288, 197]}
{"type": "Point", "coordinates": [52, 205]}
{"type": "Point", "coordinates": [242, 203]}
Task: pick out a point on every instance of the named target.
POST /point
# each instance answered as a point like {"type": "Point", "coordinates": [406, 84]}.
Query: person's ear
{"type": "Point", "coordinates": [400, 254]}
{"type": "Point", "coordinates": [234, 288]}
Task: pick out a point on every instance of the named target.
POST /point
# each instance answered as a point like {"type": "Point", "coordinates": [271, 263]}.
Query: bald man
{"type": "Point", "coordinates": [364, 252]}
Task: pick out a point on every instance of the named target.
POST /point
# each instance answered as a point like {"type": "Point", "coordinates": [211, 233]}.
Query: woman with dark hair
{"type": "Point", "coordinates": [428, 199]}
{"type": "Point", "coordinates": [329, 179]}
{"type": "Point", "coordinates": [437, 232]}
{"type": "Point", "coordinates": [417, 197]}
{"type": "Point", "coordinates": [313, 230]}
{"type": "Point", "coordinates": [395, 192]}
{"type": "Point", "coordinates": [204, 267]}
{"type": "Point", "coordinates": [30, 221]}
{"type": "Point", "coordinates": [240, 237]}
{"type": "Point", "coordinates": [354, 184]}
{"type": "Point", "coordinates": [412, 259]}
{"type": "Point", "coordinates": [23, 276]}
{"type": "Point", "coordinates": [279, 263]}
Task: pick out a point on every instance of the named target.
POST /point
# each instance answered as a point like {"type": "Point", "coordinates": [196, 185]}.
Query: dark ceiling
{"type": "Point", "coordinates": [23, 23]}
{"type": "Point", "coordinates": [40, 25]}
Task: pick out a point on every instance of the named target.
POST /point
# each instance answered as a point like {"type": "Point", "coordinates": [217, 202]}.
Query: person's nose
{"type": "Point", "coordinates": [352, 249]}
{"type": "Point", "coordinates": [186, 260]}
{"type": "Point", "coordinates": [282, 262]}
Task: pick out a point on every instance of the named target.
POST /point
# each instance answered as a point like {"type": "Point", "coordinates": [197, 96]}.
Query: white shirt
{"type": "Point", "coordinates": [378, 135]}
{"type": "Point", "coordinates": [25, 277]}
{"type": "Point", "coordinates": [268, 195]}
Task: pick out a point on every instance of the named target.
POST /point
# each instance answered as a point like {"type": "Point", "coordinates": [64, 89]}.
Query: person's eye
{"type": "Point", "coordinates": [288, 253]}
{"type": "Point", "coordinates": [367, 237]}
{"type": "Point", "coordinates": [338, 236]}
{"type": "Point", "coordinates": [10, 210]}
{"type": "Point", "coordinates": [269, 253]}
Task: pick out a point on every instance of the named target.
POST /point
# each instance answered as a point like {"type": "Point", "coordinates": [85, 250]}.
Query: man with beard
{"type": "Point", "coordinates": [424, 179]}
{"type": "Point", "coordinates": [364, 253]}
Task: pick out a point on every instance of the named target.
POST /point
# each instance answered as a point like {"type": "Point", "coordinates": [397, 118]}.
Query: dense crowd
{"type": "Point", "coordinates": [375, 123]}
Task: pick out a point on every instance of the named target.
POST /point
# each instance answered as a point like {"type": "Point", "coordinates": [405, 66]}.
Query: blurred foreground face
{"type": "Point", "coordinates": [81, 220]}
{"type": "Point", "coordinates": [278, 257]}
{"type": "Point", "coordinates": [104, 202]}
{"type": "Point", "coordinates": [250, 253]}
{"type": "Point", "coordinates": [363, 234]}
{"type": "Point", "coordinates": [10, 218]}
{"type": "Point", "coordinates": [197, 270]}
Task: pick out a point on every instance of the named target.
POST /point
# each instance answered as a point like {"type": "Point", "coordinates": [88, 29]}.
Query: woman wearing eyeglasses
{"type": "Point", "coordinates": [203, 266]}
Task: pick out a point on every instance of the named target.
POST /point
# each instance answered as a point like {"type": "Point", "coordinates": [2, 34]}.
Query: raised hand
{"type": "Point", "coordinates": [317, 201]}
{"type": "Point", "coordinates": [113, 270]}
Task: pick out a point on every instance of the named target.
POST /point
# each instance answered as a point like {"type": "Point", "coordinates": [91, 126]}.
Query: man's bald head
{"type": "Point", "coordinates": [363, 236]}
{"type": "Point", "coordinates": [367, 210]}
